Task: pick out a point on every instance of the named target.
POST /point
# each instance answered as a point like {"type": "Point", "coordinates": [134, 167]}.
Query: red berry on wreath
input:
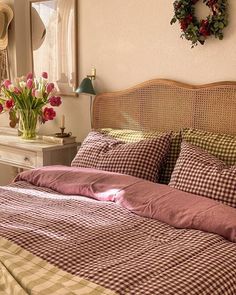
{"type": "Point", "coordinates": [183, 25]}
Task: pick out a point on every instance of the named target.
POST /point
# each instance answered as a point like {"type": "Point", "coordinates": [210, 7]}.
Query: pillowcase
{"type": "Point", "coordinates": [200, 173]}
{"type": "Point", "coordinates": [130, 136]}
{"type": "Point", "coordinates": [222, 146]}
{"type": "Point", "coordinates": [141, 159]}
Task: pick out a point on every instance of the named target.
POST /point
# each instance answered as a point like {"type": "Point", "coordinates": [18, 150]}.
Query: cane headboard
{"type": "Point", "coordinates": [165, 105]}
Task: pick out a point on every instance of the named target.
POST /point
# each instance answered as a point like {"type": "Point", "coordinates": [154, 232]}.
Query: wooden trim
{"type": "Point", "coordinates": [165, 82]}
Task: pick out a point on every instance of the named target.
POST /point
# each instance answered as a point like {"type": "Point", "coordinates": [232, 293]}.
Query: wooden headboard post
{"type": "Point", "coordinates": [165, 105]}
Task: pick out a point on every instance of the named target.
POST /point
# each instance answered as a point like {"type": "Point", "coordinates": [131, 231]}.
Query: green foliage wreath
{"type": "Point", "coordinates": [198, 31]}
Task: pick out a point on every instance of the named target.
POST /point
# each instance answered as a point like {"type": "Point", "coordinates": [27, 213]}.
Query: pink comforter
{"type": "Point", "coordinates": [169, 205]}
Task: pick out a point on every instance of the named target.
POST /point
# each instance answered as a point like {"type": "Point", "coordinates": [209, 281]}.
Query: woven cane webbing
{"type": "Point", "coordinates": [3, 65]}
{"type": "Point", "coordinates": [165, 105]}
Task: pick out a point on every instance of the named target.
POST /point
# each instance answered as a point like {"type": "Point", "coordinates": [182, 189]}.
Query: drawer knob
{"type": "Point", "coordinates": [26, 159]}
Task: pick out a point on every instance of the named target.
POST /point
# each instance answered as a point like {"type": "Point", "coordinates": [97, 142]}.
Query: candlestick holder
{"type": "Point", "coordinates": [62, 134]}
{"type": "Point", "coordinates": [62, 130]}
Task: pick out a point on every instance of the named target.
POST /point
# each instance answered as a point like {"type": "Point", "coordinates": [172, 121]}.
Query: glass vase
{"type": "Point", "coordinates": [28, 123]}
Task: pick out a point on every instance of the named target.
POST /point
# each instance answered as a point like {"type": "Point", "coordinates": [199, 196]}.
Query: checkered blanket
{"type": "Point", "coordinates": [24, 273]}
{"type": "Point", "coordinates": [105, 244]}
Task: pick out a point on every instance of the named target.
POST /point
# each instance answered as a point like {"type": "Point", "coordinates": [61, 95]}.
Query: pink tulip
{"type": "Point", "coordinates": [10, 104]}
{"type": "Point", "coordinates": [11, 88]}
{"type": "Point", "coordinates": [38, 93]}
{"type": "Point", "coordinates": [50, 87]}
{"type": "Point", "coordinates": [45, 75]}
{"type": "Point", "coordinates": [55, 101]}
{"type": "Point", "coordinates": [6, 83]}
{"type": "Point", "coordinates": [33, 91]}
{"type": "Point", "coordinates": [1, 108]}
{"type": "Point", "coordinates": [29, 84]}
{"type": "Point", "coordinates": [17, 90]}
{"type": "Point", "coordinates": [29, 76]}
{"type": "Point", "coordinates": [48, 114]}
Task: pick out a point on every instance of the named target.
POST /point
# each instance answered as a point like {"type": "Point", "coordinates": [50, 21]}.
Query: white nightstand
{"type": "Point", "coordinates": [36, 153]}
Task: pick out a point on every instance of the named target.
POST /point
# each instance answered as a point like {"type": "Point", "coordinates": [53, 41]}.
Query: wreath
{"type": "Point", "coordinates": [198, 31]}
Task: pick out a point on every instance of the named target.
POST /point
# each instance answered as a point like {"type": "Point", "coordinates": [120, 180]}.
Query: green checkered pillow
{"type": "Point", "coordinates": [222, 146]}
{"type": "Point", "coordinates": [130, 136]}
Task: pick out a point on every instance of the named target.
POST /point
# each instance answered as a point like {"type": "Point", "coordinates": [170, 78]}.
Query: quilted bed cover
{"type": "Point", "coordinates": [56, 243]}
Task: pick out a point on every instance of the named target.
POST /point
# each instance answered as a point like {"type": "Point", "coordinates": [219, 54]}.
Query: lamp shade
{"type": "Point", "coordinates": [86, 87]}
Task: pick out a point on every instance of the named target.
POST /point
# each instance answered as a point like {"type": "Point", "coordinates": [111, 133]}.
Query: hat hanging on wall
{"type": "Point", "coordinates": [4, 71]}
{"type": "Point", "coordinates": [6, 16]}
{"type": "Point", "coordinates": [38, 29]}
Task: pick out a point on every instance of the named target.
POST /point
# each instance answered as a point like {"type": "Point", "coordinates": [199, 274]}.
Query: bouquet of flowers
{"type": "Point", "coordinates": [26, 101]}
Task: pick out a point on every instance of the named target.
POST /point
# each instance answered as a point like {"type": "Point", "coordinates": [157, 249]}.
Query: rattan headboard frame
{"type": "Point", "coordinates": [165, 105]}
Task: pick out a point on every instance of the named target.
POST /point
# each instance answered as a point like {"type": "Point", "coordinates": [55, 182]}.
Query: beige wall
{"type": "Point", "coordinates": [130, 41]}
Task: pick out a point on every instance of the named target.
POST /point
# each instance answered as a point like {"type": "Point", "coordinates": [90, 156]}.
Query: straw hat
{"type": "Point", "coordinates": [6, 16]}
{"type": "Point", "coordinates": [38, 29]}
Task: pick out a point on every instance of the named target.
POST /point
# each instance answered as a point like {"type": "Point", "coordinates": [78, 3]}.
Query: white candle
{"type": "Point", "coordinates": [63, 121]}
{"type": "Point", "coordinates": [93, 71]}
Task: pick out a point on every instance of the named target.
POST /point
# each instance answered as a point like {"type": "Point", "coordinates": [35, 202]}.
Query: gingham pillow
{"type": "Point", "coordinates": [141, 159]}
{"type": "Point", "coordinates": [130, 136]}
{"type": "Point", "coordinates": [200, 173]}
{"type": "Point", "coordinates": [222, 146]}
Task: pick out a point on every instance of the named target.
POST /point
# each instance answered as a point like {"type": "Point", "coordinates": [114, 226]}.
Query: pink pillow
{"type": "Point", "coordinates": [200, 173]}
{"type": "Point", "coordinates": [140, 159]}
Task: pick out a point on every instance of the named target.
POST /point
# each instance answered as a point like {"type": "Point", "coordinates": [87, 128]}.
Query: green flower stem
{"type": "Point", "coordinates": [28, 123]}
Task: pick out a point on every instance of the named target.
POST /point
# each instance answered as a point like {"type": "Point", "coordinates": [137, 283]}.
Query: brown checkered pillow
{"type": "Point", "coordinates": [140, 159]}
{"type": "Point", "coordinates": [129, 136]}
{"type": "Point", "coordinates": [200, 173]}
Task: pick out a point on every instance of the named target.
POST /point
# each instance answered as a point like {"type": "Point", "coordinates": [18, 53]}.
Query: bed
{"type": "Point", "coordinates": [70, 230]}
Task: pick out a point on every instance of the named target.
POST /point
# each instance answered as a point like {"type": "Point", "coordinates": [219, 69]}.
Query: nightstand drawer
{"type": "Point", "coordinates": [18, 157]}
{"type": "Point", "coordinates": [36, 153]}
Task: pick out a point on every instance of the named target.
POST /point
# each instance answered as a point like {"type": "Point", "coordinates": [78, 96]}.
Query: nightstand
{"type": "Point", "coordinates": [35, 153]}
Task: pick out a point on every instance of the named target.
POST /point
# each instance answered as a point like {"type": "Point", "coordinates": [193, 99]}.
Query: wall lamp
{"type": "Point", "coordinates": [86, 87]}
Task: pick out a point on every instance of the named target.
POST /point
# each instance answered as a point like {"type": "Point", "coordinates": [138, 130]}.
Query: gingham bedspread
{"type": "Point", "coordinates": [23, 273]}
{"type": "Point", "coordinates": [107, 245]}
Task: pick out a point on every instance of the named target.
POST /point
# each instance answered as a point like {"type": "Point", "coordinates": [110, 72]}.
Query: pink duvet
{"type": "Point", "coordinates": [161, 202]}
